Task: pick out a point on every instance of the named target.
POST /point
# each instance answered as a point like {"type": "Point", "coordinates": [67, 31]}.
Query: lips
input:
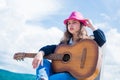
{"type": "Point", "coordinates": [71, 29]}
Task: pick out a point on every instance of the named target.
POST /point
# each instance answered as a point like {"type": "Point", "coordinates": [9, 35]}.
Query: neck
{"type": "Point", "coordinates": [75, 37]}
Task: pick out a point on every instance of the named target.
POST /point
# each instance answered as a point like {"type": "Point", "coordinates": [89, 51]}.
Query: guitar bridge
{"type": "Point", "coordinates": [83, 58]}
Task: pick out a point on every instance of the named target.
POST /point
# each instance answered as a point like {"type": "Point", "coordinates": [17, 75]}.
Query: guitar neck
{"type": "Point", "coordinates": [51, 56]}
{"type": "Point", "coordinates": [30, 55]}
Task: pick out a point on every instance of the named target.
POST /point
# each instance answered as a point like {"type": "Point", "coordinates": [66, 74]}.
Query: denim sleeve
{"type": "Point", "coordinates": [49, 49]}
{"type": "Point", "coordinates": [99, 37]}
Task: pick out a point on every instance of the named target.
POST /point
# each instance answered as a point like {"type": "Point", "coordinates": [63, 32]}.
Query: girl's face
{"type": "Point", "coordinates": [73, 26]}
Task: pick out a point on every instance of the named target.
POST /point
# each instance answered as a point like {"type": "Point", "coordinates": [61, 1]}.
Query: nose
{"type": "Point", "coordinates": [70, 25]}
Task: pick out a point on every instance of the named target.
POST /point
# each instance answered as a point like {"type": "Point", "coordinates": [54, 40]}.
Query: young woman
{"type": "Point", "coordinates": [75, 31]}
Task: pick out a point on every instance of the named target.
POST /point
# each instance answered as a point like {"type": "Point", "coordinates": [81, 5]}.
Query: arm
{"type": "Point", "coordinates": [99, 37]}
{"type": "Point", "coordinates": [37, 59]}
{"type": "Point", "coordinates": [42, 52]}
{"type": "Point", "coordinates": [98, 34]}
{"type": "Point", "coordinates": [49, 49]}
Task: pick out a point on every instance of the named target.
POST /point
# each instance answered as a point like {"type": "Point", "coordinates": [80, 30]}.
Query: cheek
{"type": "Point", "coordinates": [68, 28]}
{"type": "Point", "coordinates": [77, 27]}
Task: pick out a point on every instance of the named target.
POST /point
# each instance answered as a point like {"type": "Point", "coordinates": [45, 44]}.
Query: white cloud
{"type": "Point", "coordinates": [33, 8]}
{"type": "Point", "coordinates": [111, 53]}
{"type": "Point", "coordinates": [2, 4]}
{"type": "Point", "coordinates": [13, 22]}
{"type": "Point", "coordinates": [31, 39]}
{"type": "Point", "coordinates": [113, 44]}
{"type": "Point", "coordinates": [16, 35]}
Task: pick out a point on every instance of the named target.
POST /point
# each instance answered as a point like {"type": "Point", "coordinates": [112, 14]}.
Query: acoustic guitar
{"type": "Point", "coordinates": [80, 60]}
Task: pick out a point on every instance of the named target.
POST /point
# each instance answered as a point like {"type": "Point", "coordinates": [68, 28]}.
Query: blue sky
{"type": "Point", "coordinates": [27, 25]}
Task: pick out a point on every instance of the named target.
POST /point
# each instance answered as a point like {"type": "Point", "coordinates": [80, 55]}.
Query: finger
{"type": "Point", "coordinates": [86, 21]}
{"type": "Point", "coordinates": [35, 63]}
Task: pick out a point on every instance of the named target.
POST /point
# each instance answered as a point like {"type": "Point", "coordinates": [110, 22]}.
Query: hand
{"type": "Point", "coordinates": [90, 25]}
{"type": "Point", "coordinates": [38, 59]}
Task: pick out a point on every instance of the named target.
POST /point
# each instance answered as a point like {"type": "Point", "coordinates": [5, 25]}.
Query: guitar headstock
{"type": "Point", "coordinates": [19, 56]}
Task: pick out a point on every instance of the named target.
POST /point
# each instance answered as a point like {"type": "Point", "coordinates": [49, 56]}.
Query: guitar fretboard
{"type": "Point", "coordinates": [51, 56]}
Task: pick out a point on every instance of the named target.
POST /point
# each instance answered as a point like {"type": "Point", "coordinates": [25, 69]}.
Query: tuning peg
{"type": "Point", "coordinates": [22, 59]}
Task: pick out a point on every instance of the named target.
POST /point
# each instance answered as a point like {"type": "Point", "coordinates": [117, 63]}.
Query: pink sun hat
{"type": "Point", "coordinates": [76, 16]}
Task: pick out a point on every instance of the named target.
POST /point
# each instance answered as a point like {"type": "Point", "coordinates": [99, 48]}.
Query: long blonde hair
{"type": "Point", "coordinates": [82, 34]}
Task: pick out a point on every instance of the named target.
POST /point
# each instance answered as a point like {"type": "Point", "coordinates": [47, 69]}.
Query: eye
{"type": "Point", "coordinates": [68, 23]}
{"type": "Point", "coordinates": [74, 22]}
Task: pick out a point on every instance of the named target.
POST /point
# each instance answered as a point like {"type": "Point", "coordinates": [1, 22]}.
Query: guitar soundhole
{"type": "Point", "coordinates": [66, 57]}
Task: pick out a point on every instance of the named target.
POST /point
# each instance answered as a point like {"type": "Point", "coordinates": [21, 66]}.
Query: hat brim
{"type": "Point", "coordinates": [83, 21]}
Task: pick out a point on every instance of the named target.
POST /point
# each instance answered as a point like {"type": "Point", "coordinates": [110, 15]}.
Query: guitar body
{"type": "Point", "coordinates": [80, 59]}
